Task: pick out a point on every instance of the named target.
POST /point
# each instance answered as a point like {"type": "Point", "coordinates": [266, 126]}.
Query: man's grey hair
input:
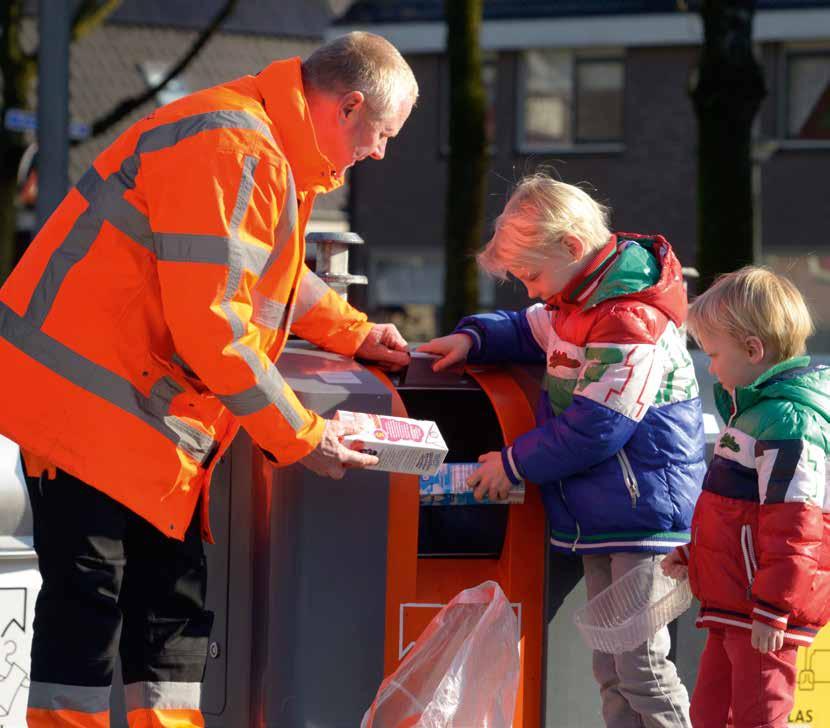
{"type": "Point", "coordinates": [362, 62]}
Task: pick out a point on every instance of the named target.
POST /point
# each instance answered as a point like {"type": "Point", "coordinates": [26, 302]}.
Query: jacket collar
{"type": "Point", "coordinates": [746, 397]}
{"type": "Point", "coordinates": [281, 87]}
{"type": "Point", "coordinates": [581, 285]}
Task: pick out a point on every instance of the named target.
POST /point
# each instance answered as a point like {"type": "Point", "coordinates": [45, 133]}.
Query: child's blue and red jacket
{"type": "Point", "coordinates": [761, 530]}
{"type": "Point", "coordinates": [619, 449]}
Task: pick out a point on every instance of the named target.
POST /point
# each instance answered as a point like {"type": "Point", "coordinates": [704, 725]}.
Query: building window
{"type": "Point", "coordinates": [153, 72]}
{"type": "Point", "coordinates": [569, 98]}
{"type": "Point", "coordinates": [808, 95]}
{"type": "Point", "coordinates": [489, 77]}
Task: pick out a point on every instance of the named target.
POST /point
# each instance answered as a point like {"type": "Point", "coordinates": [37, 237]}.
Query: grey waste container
{"type": "Point", "coordinates": [299, 571]}
{"type": "Point", "coordinates": [297, 576]}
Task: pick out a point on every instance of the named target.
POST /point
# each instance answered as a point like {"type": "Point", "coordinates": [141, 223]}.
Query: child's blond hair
{"type": "Point", "coordinates": [754, 301]}
{"type": "Point", "coordinates": [538, 215]}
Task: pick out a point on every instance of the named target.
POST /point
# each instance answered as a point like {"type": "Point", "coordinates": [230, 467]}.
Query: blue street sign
{"type": "Point", "coordinates": [78, 130]}
{"type": "Point", "coordinates": [22, 120]}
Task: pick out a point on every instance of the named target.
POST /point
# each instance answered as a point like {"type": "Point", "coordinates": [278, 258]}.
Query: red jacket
{"type": "Point", "coordinates": [760, 548]}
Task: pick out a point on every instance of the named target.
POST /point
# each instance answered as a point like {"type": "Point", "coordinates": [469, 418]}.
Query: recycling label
{"type": "Point", "coordinates": [812, 693]}
{"type": "Point", "coordinates": [19, 585]}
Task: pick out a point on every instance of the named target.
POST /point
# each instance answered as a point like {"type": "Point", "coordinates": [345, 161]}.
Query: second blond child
{"type": "Point", "coordinates": [759, 559]}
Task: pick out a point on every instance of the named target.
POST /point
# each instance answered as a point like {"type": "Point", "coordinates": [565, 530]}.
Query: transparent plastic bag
{"type": "Point", "coordinates": [463, 671]}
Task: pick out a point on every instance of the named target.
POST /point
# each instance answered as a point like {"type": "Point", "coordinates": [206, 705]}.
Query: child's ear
{"type": "Point", "coordinates": [574, 246]}
{"type": "Point", "coordinates": [755, 349]}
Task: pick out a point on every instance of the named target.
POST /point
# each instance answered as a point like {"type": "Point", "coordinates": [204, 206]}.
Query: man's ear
{"type": "Point", "coordinates": [350, 102]}
{"type": "Point", "coordinates": [574, 246]}
{"type": "Point", "coordinates": [755, 349]}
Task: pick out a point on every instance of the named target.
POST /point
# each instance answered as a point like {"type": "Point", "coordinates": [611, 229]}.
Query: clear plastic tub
{"type": "Point", "coordinates": [632, 609]}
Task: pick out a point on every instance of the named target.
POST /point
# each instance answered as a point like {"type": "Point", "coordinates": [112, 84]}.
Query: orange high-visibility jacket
{"type": "Point", "coordinates": [141, 327]}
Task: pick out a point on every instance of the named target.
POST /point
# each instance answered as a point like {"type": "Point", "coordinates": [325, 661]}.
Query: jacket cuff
{"type": "Point", "coordinates": [684, 553]}
{"type": "Point", "coordinates": [349, 339]}
{"type": "Point", "coordinates": [510, 468]}
{"type": "Point", "coordinates": [475, 336]}
{"type": "Point", "coordinates": [769, 615]}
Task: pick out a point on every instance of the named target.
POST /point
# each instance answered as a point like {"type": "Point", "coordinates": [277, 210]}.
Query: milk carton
{"type": "Point", "coordinates": [448, 487]}
{"type": "Point", "coordinates": [400, 444]}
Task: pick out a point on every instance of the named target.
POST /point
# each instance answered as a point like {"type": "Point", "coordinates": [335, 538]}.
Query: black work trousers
{"type": "Point", "coordinates": [113, 583]}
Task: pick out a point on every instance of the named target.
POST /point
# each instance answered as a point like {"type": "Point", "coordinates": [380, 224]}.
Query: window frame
{"type": "Point", "coordinates": [574, 145]}
{"type": "Point", "coordinates": [784, 104]}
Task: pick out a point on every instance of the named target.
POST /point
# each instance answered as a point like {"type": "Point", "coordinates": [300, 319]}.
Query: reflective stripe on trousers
{"type": "Point", "coordinates": [113, 584]}
{"type": "Point", "coordinates": [149, 705]}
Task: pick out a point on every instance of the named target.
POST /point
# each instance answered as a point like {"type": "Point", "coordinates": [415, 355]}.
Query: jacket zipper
{"type": "Point", "coordinates": [629, 477]}
{"type": "Point", "coordinates": [578, 529]}
{"type": "Point", "coordinates": [750, 563]}
{"type": "Point", "coordinates": [734, 409]}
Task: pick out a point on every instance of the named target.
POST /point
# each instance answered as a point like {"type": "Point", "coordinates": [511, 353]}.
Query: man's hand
{"type": "Point", "coordinates": [385, 346]}
{"type": "Point", "coordinates": [331, 458]}
{"type": "Point", "coordinates": [452, 349]}
{"type": "Point", "coordinates": [674, 565]}
{"type": "Point", "coordinates": [490, 479]}
{"type": "Point", "coordinates": [765, 638]}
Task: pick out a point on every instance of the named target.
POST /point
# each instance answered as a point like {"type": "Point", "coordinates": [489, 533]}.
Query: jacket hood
{"type": "Point", "coordinates": [638, 267]}
{"type": "Point", "coordinates": [795, 380]}
{"type": "Point", "coordinates": [280, 86]}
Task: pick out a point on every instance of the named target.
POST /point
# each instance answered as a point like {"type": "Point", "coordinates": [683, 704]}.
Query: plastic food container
{"type": "Point", "coordinates": [632, 609]}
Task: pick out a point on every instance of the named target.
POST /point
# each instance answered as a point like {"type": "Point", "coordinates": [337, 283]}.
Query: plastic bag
{"type": "Point", "coordinates": [463, 672]}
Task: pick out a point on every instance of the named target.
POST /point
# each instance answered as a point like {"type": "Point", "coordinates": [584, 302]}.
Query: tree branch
{"type": "Point", "coordinates": [90, 14]}
{"type": "Point", "coordinates": [112, 117]}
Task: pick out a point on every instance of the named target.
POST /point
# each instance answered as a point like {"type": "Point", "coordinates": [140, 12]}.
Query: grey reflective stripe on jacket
{"type": "Point", "coordinates": [97, 380]}
{"type": "Point", "coordinates": [312, 290]}
{"type": "Point", "coordinates": [107, 204]}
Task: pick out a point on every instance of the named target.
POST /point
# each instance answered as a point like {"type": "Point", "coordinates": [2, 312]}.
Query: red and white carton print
{"type": "Point", "coordinates": [401, 445]}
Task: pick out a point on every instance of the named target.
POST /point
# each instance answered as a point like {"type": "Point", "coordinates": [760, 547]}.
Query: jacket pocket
{"type": "Point", "coordinates": [750, 560]}
{"type": "Point", "coordinates": [629, 478]}
{"type": "Point", "coordinates": [576, 523]}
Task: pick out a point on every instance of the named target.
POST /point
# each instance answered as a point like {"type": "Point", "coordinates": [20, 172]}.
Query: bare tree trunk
{"type": "Point", "coordinates": [17, 69]}
{"type": "Point", "coordinates": [467, 160]}
{"type": "Point", "coordinates": [727, 96]}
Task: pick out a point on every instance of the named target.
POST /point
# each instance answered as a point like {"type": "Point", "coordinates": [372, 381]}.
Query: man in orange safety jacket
{"type": "Point", "coordinates": [143, 327]}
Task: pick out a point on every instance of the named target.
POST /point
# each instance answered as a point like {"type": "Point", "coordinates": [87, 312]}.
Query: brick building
{"type": "Point", "coordinates": [596, 91]}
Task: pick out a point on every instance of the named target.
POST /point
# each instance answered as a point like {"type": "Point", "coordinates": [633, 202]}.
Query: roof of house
{"type": "Point", "coordinates": [284, 18]}
{"type": "Point", "coordinates": [297, 18]}
{"type": "Point", "coordinates": [404, 11]}
{"type": "Point", "coordinates": [112, 62]}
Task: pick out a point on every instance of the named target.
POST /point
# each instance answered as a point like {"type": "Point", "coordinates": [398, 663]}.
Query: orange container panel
{"type": "Point", "coordinates": [418, 587]}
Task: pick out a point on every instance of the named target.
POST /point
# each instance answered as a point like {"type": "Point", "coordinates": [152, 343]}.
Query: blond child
{"type": "Point", "coordinates": [760, 551]}
{"type": "Point", "coordinates": [618, 451]}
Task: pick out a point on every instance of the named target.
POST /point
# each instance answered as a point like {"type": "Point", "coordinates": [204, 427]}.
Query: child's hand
{"type": "Point", "coordinates": [452, 349]}
{"type": "Point", "coordinates": [766, 638]}
{"type": "Point", "coordinates": [490, 479]}
{"type": "Point", "coordinates": [674, 565]}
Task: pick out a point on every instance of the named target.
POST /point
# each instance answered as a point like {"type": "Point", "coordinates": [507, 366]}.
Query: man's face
{"type": "Point", "coordinates": [360, 134]}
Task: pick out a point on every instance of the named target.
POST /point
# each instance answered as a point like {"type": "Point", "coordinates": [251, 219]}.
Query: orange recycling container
{"type": "Point", "coordinates": [434, 553]}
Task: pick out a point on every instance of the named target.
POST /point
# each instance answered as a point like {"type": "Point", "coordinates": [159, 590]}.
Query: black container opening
{"type": "Point", "coordinates": [470, 428]}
